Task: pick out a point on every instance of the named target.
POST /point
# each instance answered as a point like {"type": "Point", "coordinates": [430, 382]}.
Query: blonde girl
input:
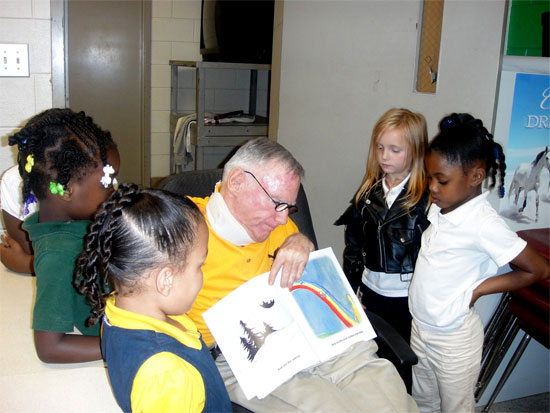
{"type": "Point", "coordinates": [385, 221]}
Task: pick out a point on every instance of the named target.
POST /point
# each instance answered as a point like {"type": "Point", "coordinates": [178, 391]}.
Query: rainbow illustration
{"type": "Point", "coordinates": [349, 320]}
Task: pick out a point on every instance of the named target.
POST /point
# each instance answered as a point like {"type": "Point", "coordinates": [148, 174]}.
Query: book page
{"type": "Point", "coordinates": [268, 334]}
{"type": "Point", "coordinates": [325, 306]}
{"type": "Point", "coordinates": [260, 339]}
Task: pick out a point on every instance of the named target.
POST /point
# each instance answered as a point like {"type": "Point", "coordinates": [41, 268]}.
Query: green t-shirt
{"type": "Point", "coordinates": [58, 306]}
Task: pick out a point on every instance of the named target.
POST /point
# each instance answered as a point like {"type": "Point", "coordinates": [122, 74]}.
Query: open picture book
{"type": "Point", "coordinates": [268, 333]}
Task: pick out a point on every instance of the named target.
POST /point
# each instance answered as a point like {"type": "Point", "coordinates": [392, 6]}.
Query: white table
{"type": "Point", "coordinates": [27, 384]}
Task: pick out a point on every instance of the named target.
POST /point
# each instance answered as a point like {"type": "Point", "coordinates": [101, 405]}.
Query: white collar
{"type": "Point", "coordinates": [223, 223]}
{"type": "Point", "coordinates": [392, 194]}
{"type": "Point", "coordinates": [460, 214]}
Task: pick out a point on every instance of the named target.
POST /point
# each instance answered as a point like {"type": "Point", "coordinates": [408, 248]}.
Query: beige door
{"type": "Point", "coordinates": [108, 45]}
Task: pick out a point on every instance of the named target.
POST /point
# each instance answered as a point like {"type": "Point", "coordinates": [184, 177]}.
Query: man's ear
{"type": "Point", "coordinates": [235, 179]}
{"type": "Point", "coordinates": [164, 280]}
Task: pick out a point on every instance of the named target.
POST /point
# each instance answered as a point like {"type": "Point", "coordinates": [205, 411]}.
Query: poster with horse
{"type": "Point", "coordinates": [526, 203]}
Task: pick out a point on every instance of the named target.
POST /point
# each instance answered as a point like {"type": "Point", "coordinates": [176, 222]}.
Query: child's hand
{"type": "Point", "coordinates": [14, 257]}
{"type": "Point", "coordinates": [9, 243]}
{"type": "Point", "coordinates": [5, 240]}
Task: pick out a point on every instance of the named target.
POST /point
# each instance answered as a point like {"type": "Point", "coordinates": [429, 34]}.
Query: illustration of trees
{"type": "Point", "coordinates": [254, 341]}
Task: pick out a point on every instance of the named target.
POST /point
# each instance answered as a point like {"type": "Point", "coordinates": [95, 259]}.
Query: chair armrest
{"type": "Point", "coordinates": [389, 340]}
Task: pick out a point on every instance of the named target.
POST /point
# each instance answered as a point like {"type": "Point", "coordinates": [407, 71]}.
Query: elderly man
{"type": "Point", "coordinates": [247, 217]}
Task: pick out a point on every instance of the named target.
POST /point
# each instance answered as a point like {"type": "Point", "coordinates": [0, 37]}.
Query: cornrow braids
{"type": "Point", "coordinates": [134, 232]}
{"type": "Point", "coordinates": [464, 140]}
{"type": "Point", "coordinates": [63, 144]}
{"type": "Point", "coordinates": [91, 278]}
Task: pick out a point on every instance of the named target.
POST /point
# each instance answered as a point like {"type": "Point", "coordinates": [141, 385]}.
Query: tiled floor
{"type": "Point", "coordinates": [539, 403]}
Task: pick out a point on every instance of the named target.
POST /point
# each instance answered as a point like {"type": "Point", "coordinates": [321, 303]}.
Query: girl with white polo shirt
{"type": "Point", "coordinates": [461, 251]}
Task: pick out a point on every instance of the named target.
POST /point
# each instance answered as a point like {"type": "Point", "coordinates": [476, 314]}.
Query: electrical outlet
{"type": "Point", "coordinates": [14, 60]}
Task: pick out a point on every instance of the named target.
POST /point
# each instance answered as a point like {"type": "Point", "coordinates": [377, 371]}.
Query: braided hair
{"type": "Point", "coordinates": [135, 231]}
{"type": "Point", "coordinates": [63, 146]}
{"type": "Point", "coordinates": [464, 140]}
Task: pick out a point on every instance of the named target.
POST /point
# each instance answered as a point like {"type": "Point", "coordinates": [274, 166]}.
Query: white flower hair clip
{"type": "Point", "coordinates": [106, 179]}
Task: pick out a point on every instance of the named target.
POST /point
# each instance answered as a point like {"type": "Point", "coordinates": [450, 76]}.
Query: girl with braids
{"type": "Point", "coordinates": [150, 246]}
{"type": "Point", "coordinates": [461, 251]}
{"type": "Point", "coordinates": [69, 164]}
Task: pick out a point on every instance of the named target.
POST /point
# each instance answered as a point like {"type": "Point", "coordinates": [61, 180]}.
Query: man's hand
{"type": "Point", "coordinates": [292, 256]}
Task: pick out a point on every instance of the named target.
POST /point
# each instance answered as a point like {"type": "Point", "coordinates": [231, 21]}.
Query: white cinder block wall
{"type": "Point", "coordinates": [176, 36]}
{"type": "Point", "coordinates": [24, 21]}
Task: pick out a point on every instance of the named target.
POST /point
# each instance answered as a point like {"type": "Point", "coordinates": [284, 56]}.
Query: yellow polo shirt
{"type": "Point", "coordinates": [227, 266]}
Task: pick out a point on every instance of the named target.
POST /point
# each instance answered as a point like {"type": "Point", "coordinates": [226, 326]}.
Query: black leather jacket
{"type": "Point", "coordinates": [380, 239]}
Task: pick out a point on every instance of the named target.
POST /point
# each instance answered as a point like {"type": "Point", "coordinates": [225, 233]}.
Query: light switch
{"type": "Point", "coordinates": [14, 60]}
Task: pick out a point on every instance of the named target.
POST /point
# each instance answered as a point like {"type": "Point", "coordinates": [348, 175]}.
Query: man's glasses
{"type": "Point", "coordinates": [279, 206]}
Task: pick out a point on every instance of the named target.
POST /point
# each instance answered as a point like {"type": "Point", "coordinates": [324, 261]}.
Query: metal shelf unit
{"type": "Point", "coordinates": [213, 135]}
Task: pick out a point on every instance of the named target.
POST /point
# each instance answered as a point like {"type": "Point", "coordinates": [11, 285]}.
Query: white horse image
{"type": "Point", "coordinates": [527, 178]}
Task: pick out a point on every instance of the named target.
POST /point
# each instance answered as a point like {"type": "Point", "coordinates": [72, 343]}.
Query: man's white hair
{"type": "Point", "coordinates": [259, 151]}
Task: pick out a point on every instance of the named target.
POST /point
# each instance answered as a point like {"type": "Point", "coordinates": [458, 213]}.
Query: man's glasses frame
{"type": "Point", "coordinates": [279, 206]}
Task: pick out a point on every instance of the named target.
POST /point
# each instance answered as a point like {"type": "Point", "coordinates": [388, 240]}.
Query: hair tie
{"type": "Point", "coordinates": [447, 122]}
{"type": "Point", "coordinates": [496, 152]}
{"type": "Point", "coordinates": [57, 188]}
{"type": "Point", "coordinates": [106, 179]}
{"type": "Point", "coordinates": [30, 163]}
{"type": "Point", "coordinates": [30, 200]}
{"type": "Point", "coordinates": [501, 191]}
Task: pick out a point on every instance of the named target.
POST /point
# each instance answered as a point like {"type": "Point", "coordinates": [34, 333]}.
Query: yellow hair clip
{"type": "Point", "coordinates": [30, 164]}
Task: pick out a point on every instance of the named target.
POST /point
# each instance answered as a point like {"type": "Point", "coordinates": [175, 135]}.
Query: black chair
{"type": "Point", "coordinates": [201, 183]}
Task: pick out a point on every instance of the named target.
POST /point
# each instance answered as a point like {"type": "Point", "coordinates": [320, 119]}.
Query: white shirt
{"type": "Point", "coordinates": [459, 251]}
{"type": "Point", "coordinates": [388, 285]}
{"type": "Point", "coordinates": [10, 194]}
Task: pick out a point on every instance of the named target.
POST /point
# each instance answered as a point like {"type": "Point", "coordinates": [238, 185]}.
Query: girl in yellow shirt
{"type": "Point", "coordinates": [149, 245]}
